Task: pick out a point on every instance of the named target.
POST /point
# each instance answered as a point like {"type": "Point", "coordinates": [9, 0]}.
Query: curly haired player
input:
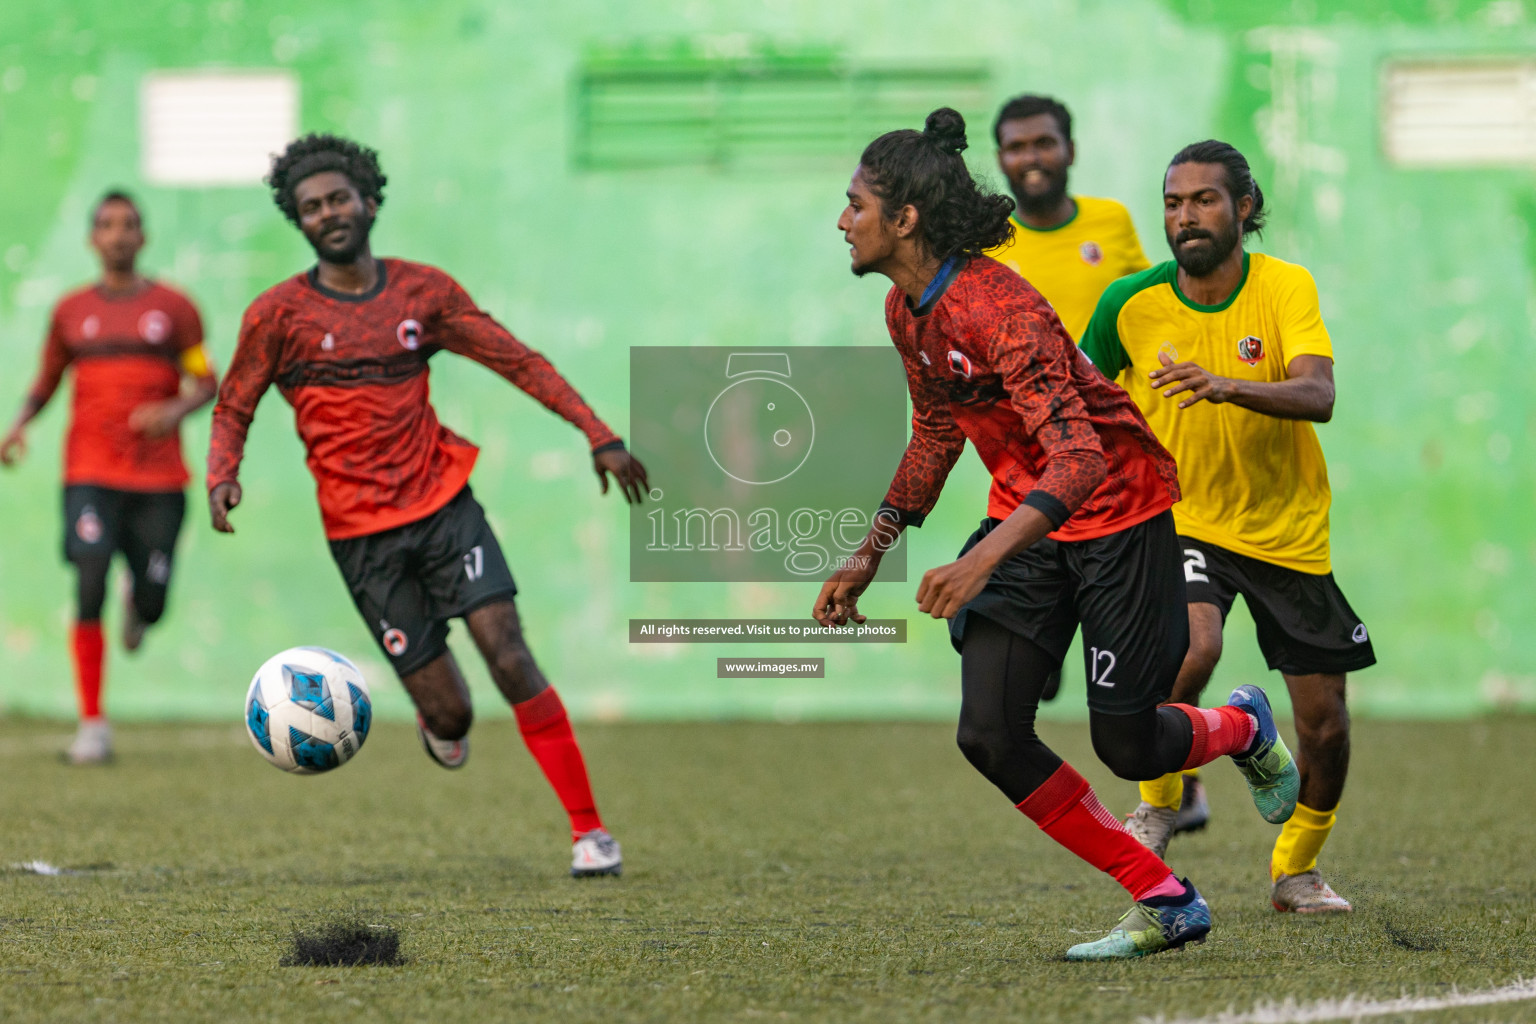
{"type": "Point", "coordinates": [347, 343]}
{"type": "Point", "coordinates": [136, 348]}
{"type": "Point", "coordinates": [1078, 531]}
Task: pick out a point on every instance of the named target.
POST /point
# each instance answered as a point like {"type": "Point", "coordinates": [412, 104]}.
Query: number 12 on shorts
{"type": "Point", "coordinates": [1100, 665]}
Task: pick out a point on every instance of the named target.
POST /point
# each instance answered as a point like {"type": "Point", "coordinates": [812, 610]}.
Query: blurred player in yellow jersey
{"type": "Point", "coordinates": [1069, 247]}
{"type": "Point", "coordinates": [1225, 353]}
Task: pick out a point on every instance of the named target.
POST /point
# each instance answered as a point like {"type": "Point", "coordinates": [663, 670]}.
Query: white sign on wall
{"type": "Point", "coordinates": [1460, 114]}
{"type": "Point", "coordinates": [214, 127]}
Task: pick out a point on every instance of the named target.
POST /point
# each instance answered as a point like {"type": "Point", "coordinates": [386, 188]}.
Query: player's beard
{"type": "Point", "coordinates": [1202, 260]}
{"type": "Point", "coordinates": [1040, 204]}
{"type": "Point", "coordinates": [355, 245]}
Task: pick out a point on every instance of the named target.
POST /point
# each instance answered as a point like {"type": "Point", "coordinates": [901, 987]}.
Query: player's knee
{"type": "Point", "coordinates": [1129, 760]}
{"type": "Point", "coordinates": [986, 749]}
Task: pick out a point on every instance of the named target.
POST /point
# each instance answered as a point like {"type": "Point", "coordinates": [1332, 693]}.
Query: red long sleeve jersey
{"type": "Point", "coordinates": [990, 361]}
{"type": "Point", "coordinates": [126, 351]}
{"type": "Point", "coordinates": [354, 368]}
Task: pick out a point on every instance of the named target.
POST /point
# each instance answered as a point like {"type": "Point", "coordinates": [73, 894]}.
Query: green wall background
{"type": "Point", "coordinates": [1426, 282]}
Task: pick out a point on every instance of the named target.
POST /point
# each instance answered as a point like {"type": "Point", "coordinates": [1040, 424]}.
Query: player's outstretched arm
{"type": "Point", "coordinates": [469, 331]}
{"type": "Point", "coordinates": [1306, 394]}
{"type": "Point", "coordinates": [628, 471]}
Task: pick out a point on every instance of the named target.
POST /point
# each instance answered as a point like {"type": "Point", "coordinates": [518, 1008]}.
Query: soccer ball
{"type": "Point", "coordinates": [308, 710]}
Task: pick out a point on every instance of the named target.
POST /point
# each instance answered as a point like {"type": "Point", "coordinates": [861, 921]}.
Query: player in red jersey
{"type": "Point", "coordinates": [1078, 531]}
{"type": "Point", "coordinates": [136, 347]}
{"type": "Point", "coordinates": [347, 344]}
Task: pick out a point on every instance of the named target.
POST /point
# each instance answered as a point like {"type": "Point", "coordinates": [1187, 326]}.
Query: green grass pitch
{"type": "Point", "coordinates": [773, 872]}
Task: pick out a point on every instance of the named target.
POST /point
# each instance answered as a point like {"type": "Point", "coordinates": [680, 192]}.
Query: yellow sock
{"type": "Point", "coordinates": [1164, 792]}
{"type": "Point", "coordinates": [1301, 840]}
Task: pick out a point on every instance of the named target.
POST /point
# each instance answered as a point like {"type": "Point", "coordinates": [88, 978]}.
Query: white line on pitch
{"type": "Point", "coordinates": [1355, 1007]}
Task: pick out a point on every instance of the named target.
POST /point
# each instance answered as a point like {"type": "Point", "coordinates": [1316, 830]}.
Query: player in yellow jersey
{"type": "Point", "coordinates": [1069, 247]}
{"type": "Point", "coordinates": [1225, 353]}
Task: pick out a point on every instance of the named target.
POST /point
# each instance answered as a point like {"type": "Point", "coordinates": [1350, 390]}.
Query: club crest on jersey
{"type": "Point", "coordinates": [959, 363]}
{"type": "Point", "coordinates": [328, 342]}
{"type": "Point", "coordinates": [90, 326]}
{"type": "Point", "coordinates": [395, 641]}
{"type": "Point", "coordinates": [409, 334]}
{"type": "Point", "coordinates": [154, 326]}
{"type": "Point", "coordinates": [1250, 350]}
{"type": "Point", "coordinates": [1091, 253]}
{"type": "Point", "coordinates": [88, 526]}
{"type": "Point", "coordinates": [1170, 350]}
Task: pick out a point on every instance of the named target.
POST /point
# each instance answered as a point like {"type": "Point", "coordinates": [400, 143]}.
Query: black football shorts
{"type": "Point", "coordinates": [407, 582]}
{"type": "Point", "coordinates": [1305, 625]}
{"type": "Point", "coordinates": [143, 525]}
{"type": "Point", "coordinates": [1127, 591]}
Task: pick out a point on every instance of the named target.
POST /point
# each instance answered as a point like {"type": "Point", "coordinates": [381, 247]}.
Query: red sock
{"type": "Point", "coordinates": [88, 646]}
{"type": "Point", "coordinates": [547, 731]}
{"type": "Point", "coordinates": [1066, 810]}
{"type": "Point", "coordinates": [1218, 732]}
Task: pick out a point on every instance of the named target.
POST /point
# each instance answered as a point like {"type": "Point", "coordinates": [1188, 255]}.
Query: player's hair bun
{"type": "Point", "coordinates": [946, 127]}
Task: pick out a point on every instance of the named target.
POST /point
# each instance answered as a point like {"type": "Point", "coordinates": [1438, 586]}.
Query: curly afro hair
{"type": "Point", "coordinates": [315, 154]}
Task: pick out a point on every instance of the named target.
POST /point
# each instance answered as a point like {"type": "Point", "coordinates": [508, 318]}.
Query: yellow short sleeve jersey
{"type": "Point", "coordinates": [1073, 263]}
{"type": "Point", "coordinates": [1253, 484]}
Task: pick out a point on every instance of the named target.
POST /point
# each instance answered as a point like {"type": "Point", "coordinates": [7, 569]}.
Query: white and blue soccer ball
{"type": "Point", "coordinates": [308, 710]}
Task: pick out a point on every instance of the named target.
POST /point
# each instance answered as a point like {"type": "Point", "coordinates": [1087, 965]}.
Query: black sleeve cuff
{"type": "Point", "coordinates": [611, 446]}
{"type": "Point", "coordinates": [900, 516]}
{"type": "Point", "coordinates": [1048, 506]}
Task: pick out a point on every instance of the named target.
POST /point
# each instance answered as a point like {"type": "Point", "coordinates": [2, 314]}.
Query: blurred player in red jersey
{"type": "Point", "coordinates": [347, 344]}
{"type": "Point", "coordinates": [140, 367]}
{"type": "Point", "coordinates": [1079, 531]}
